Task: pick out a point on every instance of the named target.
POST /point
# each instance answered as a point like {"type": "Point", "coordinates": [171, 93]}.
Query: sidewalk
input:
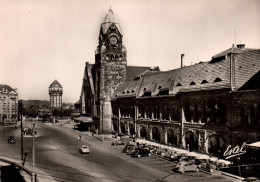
{"type": "Point", "coordinates": [70, 125]}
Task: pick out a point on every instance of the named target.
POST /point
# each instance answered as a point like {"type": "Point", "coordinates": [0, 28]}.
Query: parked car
{"type": "Point", "coordinates": [11, 140]}
{"type": "Point", "coordinates": [84, 149]}
{"type": "Point", "coordinates": [184, 166]}
{"type": "Point", "coordinates": [141, 152]}
{"type": "Point", "coordinates": [27, 131]}
{"type": "Point", "coordinates": [132, 150]}
{"type": "Point", "coordinates": [127, 148]}
{"type": "Point", "coordinates": [117, 142]}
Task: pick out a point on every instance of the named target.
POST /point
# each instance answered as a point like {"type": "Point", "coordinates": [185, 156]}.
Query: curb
{"type": "Point", "coordinates": [231, 175]}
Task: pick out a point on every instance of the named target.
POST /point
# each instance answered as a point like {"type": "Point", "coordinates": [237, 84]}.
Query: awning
{"type": "Point", "coordinates": [254, 145]}
{"type": "Point", "coordinates": [84, 119]}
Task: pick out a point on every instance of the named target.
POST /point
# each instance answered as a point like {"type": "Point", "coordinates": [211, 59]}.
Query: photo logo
{"type": "Point", "coordinates": [236, 151]}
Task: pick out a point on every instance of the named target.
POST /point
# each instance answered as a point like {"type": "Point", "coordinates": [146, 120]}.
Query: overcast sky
{"type": "Point", "coordinates": [44, 40]}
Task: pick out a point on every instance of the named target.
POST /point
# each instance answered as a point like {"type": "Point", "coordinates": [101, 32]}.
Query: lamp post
{"type": "Point", "coordinates": [33, 153]}
{"type": "Point", "coordinates": [20, 110]}
{"type": "Point", "coordinates": [101, 103]}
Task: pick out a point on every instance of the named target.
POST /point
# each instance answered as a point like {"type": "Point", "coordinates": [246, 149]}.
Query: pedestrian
{"type": "Point", "coordinates": [79, 138]}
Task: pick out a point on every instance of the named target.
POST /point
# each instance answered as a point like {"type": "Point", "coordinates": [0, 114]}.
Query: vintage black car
{"type": "Point", "coordinates": [141, 152]}
{"type": "Point", "coordinates": [11, 140]}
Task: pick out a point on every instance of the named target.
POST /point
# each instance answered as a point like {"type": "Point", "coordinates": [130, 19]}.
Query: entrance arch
{"type": "Point", "coordinates": [191, 140]}
{"type": "Point", "coordinates": [143, 132]}
{"type": "Point", "coordinates": [172, 137]}
{"type": "Point", "coordinates": [131, 129]}
{"type": "Point", "coordinates": [156, 134]}
{"type": "Point", "coordinates": [216, 145]}
{"type": "Point", "coordinates": [122, 125]}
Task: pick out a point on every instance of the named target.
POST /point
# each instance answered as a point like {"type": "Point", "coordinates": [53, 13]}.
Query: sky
{"type": "Point", "coordinates": [44, 40]}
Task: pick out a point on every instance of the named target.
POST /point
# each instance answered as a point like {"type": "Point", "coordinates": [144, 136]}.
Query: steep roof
{"type": "Point", "coordinates": [133, 71]}
{"type": "Point", "coordinates": [203, 76]}
{"type": "Point", "coordinates": [55, 83]}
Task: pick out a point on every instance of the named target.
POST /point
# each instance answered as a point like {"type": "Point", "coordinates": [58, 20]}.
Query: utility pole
{"type": "Point", "coordinates": [102, 102]}
{"type": "Point", "coordinates": [20, 108]}
{"type": "Point", "coordinates": [33, 154]}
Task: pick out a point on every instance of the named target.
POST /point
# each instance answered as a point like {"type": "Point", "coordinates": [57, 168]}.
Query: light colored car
{"type": "Point", "coordinates": [117, 142]}
{"type": "Point", "coordinates": [184, 166]}
{"type": "Point", "coordinates": [84, 149]}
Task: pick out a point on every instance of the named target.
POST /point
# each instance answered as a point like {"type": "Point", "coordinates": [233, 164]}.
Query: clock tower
{"type": "Point", "coordinates": [109, 70]}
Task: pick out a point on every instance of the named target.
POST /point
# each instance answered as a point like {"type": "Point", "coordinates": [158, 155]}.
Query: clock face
{"type": "Point", "coordinates": [113, 40]}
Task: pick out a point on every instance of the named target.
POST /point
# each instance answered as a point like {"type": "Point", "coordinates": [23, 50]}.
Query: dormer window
{"type": "Point", "coordinates": [192, 83]}
{"type": "Point", "coordinates": [133, 91]}
{"type": "Point", "coordinates": [124, 92]}
{"type": "Point", "coordinates": [128, 91]}
{"type": "Point", "coordinates": [179, 84]}
{"type": "Point", "coordinates": [204, 81]}
{"type": "Point", "coordinates": [144, 89]}
{"type": "Point", "coordinates": [147, 94]}
{"type": "Point", "coordinates": [159, 87]}
{"type": "Point", "coordinates": [217, 80]}
{"type": "Point", "coordinates": [164, 92]}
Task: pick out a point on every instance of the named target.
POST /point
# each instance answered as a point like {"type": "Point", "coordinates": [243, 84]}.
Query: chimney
{"type": "Point", "coordinates": [182, 55]}
{"type": "Point", "coordinates": [241, 46]}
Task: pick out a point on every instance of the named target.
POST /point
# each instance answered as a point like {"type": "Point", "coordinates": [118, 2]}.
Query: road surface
{"type": "Point", "coordinates": [58, 158]}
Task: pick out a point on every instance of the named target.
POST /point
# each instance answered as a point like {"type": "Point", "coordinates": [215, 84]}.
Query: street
{"type": "Point", "coordinates": [58, 158]}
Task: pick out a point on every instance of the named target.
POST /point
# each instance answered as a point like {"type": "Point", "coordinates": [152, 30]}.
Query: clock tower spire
{"type": "Point", "coordinates": [109, 68]}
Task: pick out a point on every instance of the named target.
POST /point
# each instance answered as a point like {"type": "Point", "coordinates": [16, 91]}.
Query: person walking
{"type": "Point", "coordinates": [79, 138]}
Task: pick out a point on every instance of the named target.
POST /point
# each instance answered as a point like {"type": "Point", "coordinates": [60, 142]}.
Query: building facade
{"type": "Point", "coordinates": [204, 107]}
{"type": "Point", "coordinates": [55, 92]}
{"type": "Point", "coordinates": [8, 103]}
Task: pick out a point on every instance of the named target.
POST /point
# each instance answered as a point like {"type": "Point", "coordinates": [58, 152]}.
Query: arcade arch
{"type": "Point", "coordinates": [191, 141]}
{"type": "Point", "coordinates": [216, 145]}
{"type": "Point", "coordinates": [156, 134]}
{"type": "Point", "coordinates": [172, 137]}
{"type": "Point", "coordinates": [143, 132]}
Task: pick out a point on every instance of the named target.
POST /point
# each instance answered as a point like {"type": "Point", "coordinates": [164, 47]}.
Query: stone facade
{"type": "Point", "coordinates": [203, 107]}
{"type": "Point", "coordinates": [8, 103]}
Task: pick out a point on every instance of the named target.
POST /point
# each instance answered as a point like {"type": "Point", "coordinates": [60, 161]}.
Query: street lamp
{"type": "Point", "coordinates": [20, 110]}
{"type": "Point", "coordinates": [101, 103]}
{"type": "Point", "coordinates": [33, 153]}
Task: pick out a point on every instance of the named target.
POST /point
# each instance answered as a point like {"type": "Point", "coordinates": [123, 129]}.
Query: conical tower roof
{"type": "Point", "coordinates": [108, 21]}
{"type": "Point", "coordinates": [55, 83]}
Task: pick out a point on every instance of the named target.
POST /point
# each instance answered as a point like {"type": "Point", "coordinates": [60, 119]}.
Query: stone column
{"type": "Point", "coordinates": [249, 116]}
{"type": "Point", "coordinates": [165, 139]}
{"type": "Point", "coordinates": [192, 113]}
{"type": "Point", "coordinates": [138, 131]}
{"type": "Point", "coordinates": [200, 113]}
{"type": "Point", "coordinates": [150, 133]}
{"type": "Point", "coordinates": [206, 146]}
{"type": "Point", "coordinates": [107, 110]}
{"type": "Point", "coordinates": [119, 119]}
{"type": "Point", "coordinates": [182, 134]}
{"type": "Point", "coordinates": [127, 128]}
{"type": "Point", "coordinates": [160, 115]}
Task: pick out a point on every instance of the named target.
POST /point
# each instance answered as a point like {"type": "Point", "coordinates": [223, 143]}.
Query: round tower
{"type": "Point", "coordinates": [55, 92]}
